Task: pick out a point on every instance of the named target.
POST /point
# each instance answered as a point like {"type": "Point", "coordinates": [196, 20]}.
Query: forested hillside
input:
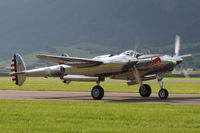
{"type": "Point", "coordinates": [31, 26]}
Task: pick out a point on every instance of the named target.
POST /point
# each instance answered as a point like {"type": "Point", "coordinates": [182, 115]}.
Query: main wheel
{"type": "Point", "coordinates": [97, 92]}
{"type": "Point", "coordinates": [163, 94]}
{"type": "Point", "coordinates": [145, 90]}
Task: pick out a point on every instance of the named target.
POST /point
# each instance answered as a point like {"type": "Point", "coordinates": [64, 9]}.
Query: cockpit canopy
{"type": "Point", "coordinates": [131, 53]}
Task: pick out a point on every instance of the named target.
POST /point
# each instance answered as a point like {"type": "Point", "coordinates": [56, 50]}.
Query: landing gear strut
{"type": "Point", "coordinates": [163, 93]}
{"type": "Point", "coordinates": [145, 90]}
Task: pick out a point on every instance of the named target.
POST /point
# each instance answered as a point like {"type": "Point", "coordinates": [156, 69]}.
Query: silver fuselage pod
{"type": "Point", "coordinates": [155, 65]}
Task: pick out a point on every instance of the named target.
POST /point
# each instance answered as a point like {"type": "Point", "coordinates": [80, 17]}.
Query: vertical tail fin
{"type": "Point", "coordinates": [17, 67]}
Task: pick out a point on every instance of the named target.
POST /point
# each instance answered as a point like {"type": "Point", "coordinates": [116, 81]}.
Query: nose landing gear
{"type": "Point", "coordinates": [163, 93]}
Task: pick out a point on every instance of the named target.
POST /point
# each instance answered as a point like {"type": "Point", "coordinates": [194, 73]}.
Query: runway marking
{"type": "Point", "coordinates": [190, 99]}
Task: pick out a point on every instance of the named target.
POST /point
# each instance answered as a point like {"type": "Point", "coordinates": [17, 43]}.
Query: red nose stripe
{"type": "Point", "coordinates": [12, 65]}
{"type": "Point", "coordinates": [14, 79]}
{"type": "Point", "coordinates": [12, 59]}
{"type": "Point", "coordinates": [12, 70]}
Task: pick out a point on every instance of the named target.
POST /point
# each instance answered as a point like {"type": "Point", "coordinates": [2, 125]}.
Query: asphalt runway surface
{"type": "Point", "coordinates": [184, 99]}
{"type": "Point", "coordinates": [109, 80]}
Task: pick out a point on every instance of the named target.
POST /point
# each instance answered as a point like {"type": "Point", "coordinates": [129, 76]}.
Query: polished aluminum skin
{"type": "Point", "coordinates": [129, 65]}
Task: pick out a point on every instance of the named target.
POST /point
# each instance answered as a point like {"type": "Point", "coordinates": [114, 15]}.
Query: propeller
{"type": "Point", "coordinates": [186, 74]}
{"type": "Point", "coordinates": [178, 58]}
{"type": "Point", "coordinates": [136, 45]}
{"type": "Point", "coordinates": [137, 75]}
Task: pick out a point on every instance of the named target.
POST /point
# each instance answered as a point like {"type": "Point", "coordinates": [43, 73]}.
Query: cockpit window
{"type": "Point", "coordinates": [132, 53]}
{"type": "Point", "coordinates": [129, 52]}
{"type": "Point", "coordinates": [111, 55]}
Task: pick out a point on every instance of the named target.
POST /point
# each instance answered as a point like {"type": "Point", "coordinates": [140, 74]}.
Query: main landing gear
{"type": "Point", "coordinates": [97, 92]}
{"type": "Point", "coordinates": [145, 90]}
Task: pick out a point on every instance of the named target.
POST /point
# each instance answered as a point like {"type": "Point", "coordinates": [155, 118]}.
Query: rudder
{"type": "Point", "coordinates": [17, 67]}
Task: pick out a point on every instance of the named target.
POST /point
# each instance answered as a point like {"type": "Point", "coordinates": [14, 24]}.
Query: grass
{"type": "Point", "coordinates": [89, 117]}
{"type": "Point", "coordinates": [181, 87]}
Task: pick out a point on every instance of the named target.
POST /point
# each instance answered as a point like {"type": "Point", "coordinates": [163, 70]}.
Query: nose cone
{"type": "Point", "coordinates": [178, 62]}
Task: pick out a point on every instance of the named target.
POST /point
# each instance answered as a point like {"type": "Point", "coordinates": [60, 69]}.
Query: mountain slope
{"type": "Point", "coordinates": [85, 50]}
{"type": "Point", "coordinates": [33, 25]}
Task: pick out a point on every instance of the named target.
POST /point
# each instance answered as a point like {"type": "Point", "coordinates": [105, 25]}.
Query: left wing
{"type": "Point", "coordinates": [71, 61]}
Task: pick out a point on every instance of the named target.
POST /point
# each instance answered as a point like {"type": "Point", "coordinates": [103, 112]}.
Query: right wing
{"type": "Point", "coordinates": [148, 56]}
{"type": "Point", "coordinates": [71, 61]}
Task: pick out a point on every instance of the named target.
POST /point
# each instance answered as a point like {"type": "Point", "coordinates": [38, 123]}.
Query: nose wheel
{"type": "Point", "coordinates": [163, 93]}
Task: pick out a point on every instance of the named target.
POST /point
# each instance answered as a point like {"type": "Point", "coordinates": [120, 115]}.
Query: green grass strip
{"type": "Point", "coordinates": [96, 117]}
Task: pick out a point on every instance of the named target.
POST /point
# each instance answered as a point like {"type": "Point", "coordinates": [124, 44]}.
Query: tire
{"type": "Point", "coordinates": [145, 90]}
{"type": "Point", "coordinates": [163, 94]}
{"type": "Point", "coordinates": [97, 92]}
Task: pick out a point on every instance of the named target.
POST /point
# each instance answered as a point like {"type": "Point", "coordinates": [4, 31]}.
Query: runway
{"type": "Point", "coordinates": [184, 99]}
{"type": "Point", "coordinates": [108, 80]}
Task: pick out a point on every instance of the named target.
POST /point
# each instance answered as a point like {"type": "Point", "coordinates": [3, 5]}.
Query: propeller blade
{"type": "Point", "coordinates": [177, 45]}
{"type": "Point", "coordinates": [186, 55]}
{"type": "Point", "coordinates": [137, 75]}
{"type": "Point", "coordinates": [186, 74]}
{"type": "Point", "coordinates": [136, 45]}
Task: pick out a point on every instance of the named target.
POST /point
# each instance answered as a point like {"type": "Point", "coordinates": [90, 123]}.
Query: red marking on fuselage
{"type": "Point", "coordinates": [156, 64]}
{"type": "Point", "coordinates": [156, 60]}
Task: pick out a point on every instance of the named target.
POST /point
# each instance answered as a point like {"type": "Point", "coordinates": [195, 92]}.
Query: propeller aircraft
{"type": "Point", "coordinates": [129, 65]}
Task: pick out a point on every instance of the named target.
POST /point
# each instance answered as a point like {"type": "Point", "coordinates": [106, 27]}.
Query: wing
{"type": "Point", "coordinates": [71, 61]}
{"type": "Point", "coordinates": [148, 56]}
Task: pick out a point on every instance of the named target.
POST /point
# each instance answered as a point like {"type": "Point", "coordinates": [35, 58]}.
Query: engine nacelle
{"type": "Point", "coordinates": [55, 71]}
